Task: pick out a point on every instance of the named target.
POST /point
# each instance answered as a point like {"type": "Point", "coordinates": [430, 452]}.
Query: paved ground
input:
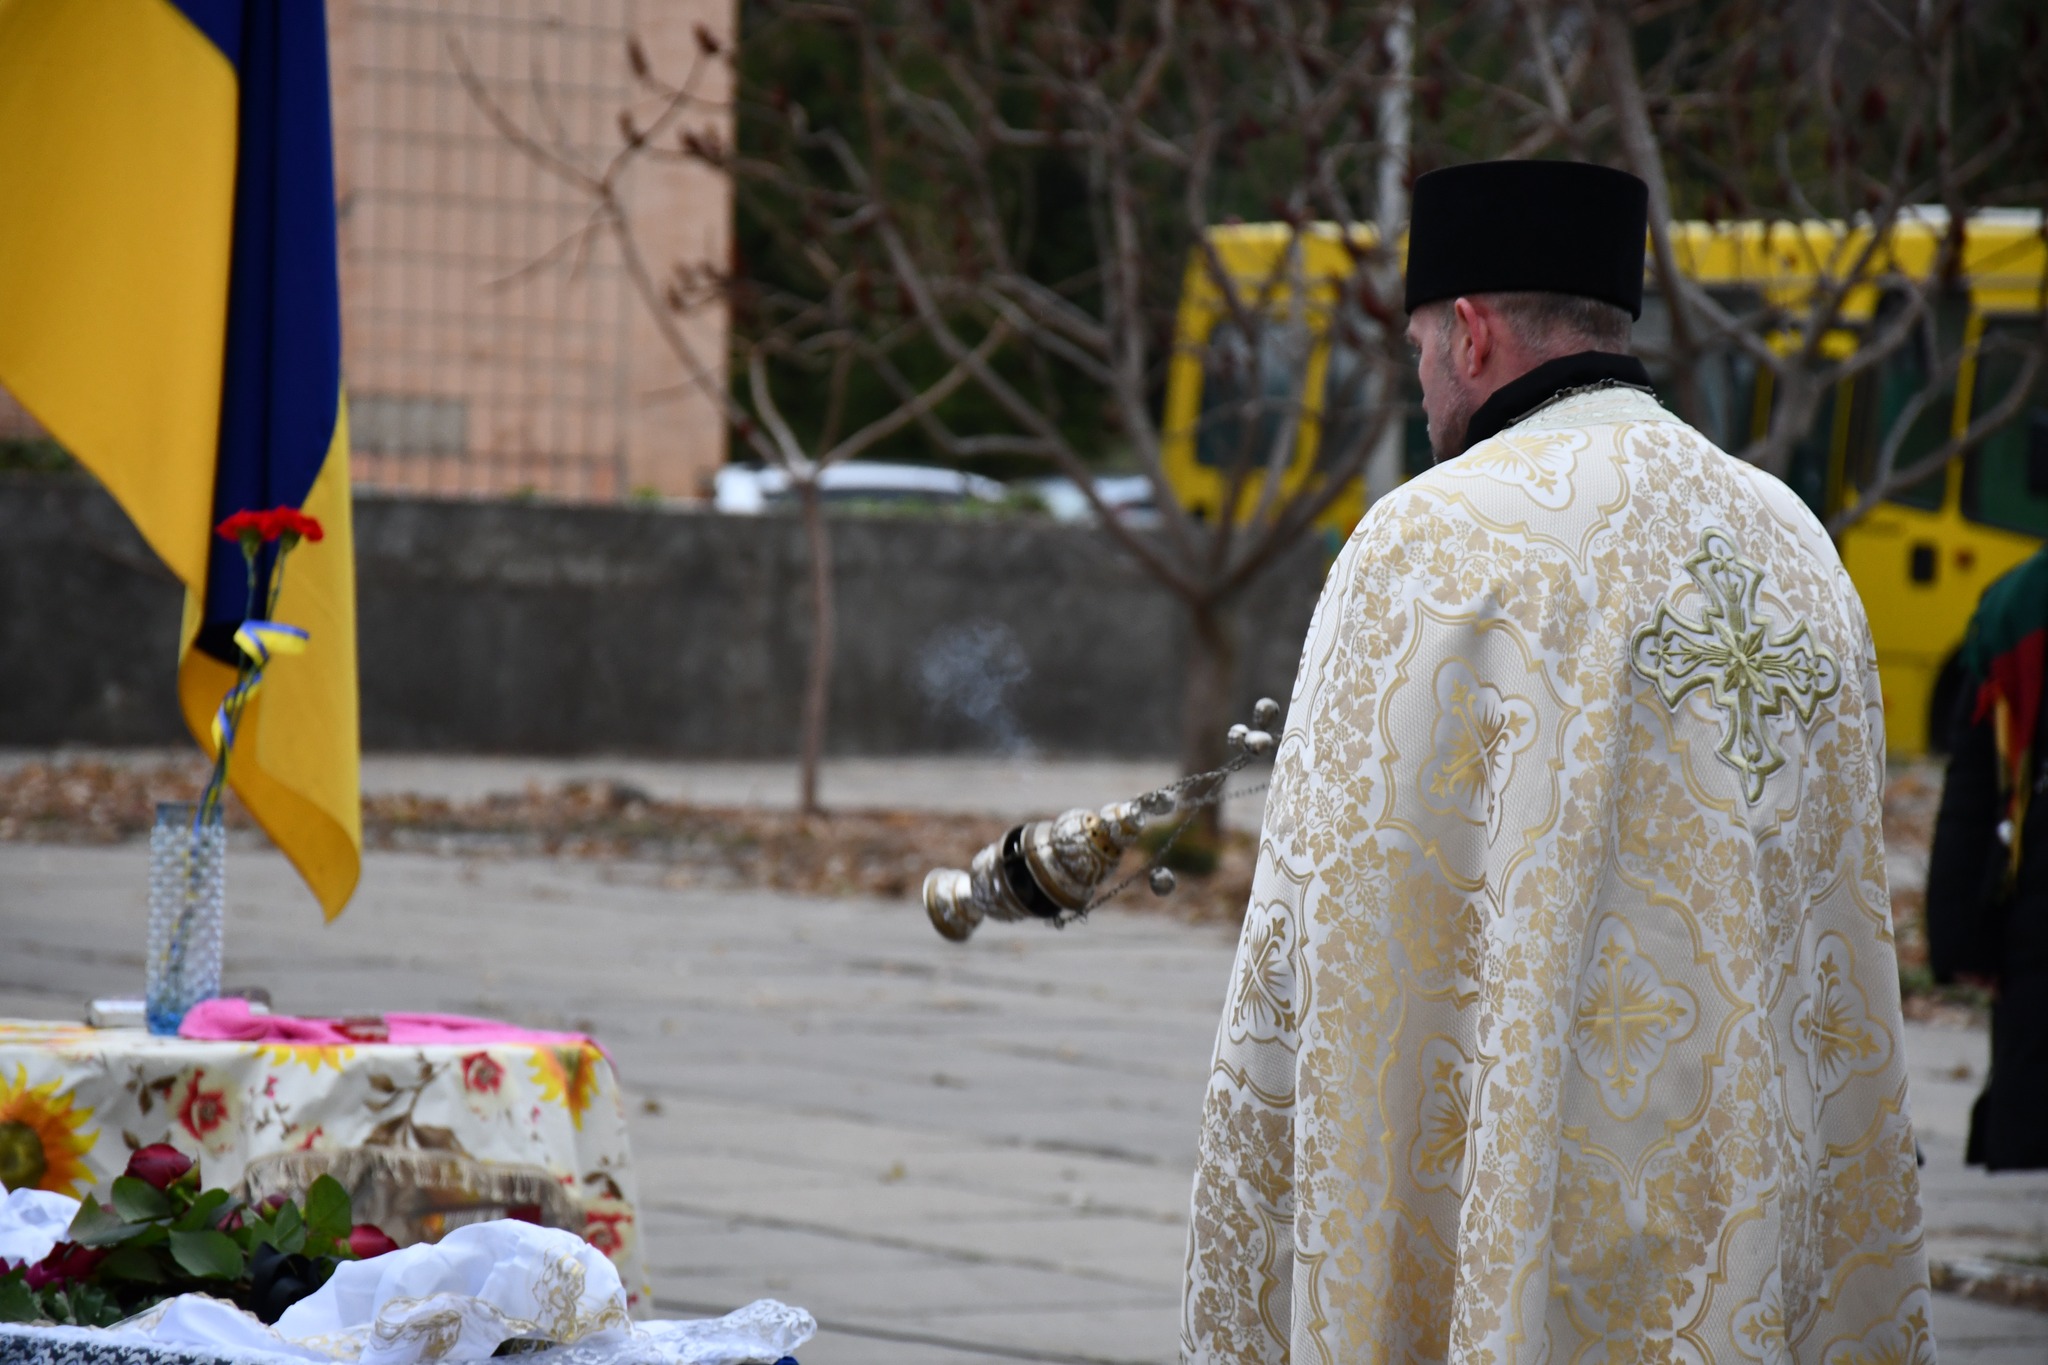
{"type": "Point", "coordinates": [946, 1153]}
{"type": "Point", "coordinates": [998, 786]}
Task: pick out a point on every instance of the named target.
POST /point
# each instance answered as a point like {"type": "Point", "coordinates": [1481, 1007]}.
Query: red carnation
{"type": "Point", "coordinates": [159, 1163]}
{"type": "Point", "coordinates": [242, 524]}
{"type": "Point", "coordinates": [271, 524]}
{"type": "Point", "coordinates": [290, 520]}
{"type": "Point", "coordinates": [366, 1240]}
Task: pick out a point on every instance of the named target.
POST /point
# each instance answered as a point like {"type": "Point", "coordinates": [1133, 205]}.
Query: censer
{"type": "Point", "coordinates": [1054, 870]}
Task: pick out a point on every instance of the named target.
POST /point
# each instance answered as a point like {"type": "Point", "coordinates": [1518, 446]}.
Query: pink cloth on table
{"type": "Point", "coordinates": [229, 1020]}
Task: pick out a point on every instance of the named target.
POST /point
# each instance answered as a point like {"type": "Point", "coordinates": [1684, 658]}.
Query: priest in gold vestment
{"type": "Point", "coordinates": [1564, 1027]}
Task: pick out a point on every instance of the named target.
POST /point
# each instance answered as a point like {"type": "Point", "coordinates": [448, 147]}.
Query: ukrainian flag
{"type": "Point", "coordinates": [170, 310]}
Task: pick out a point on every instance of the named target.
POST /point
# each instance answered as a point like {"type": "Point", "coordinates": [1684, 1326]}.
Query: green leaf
{"type": "Point", "coordinates": [98, 1226]}
{"type": "Point", "coordinates": [17, 1300]}
{"type": "Point", "coordinates": [288, 1230]}
{"type": "Point", "coordinates": [138, 1201]}
{"type": "Point", "coordinates": [203, 1211]}
{"type": "Point", "coordinates": [92, 1306]}
{"type": "Point", "coordinates": [131, 1262]}
{"type": "Point", "coordinates": [208, 1254]}
{"type": "Point", "coordinates": [327, 1209]}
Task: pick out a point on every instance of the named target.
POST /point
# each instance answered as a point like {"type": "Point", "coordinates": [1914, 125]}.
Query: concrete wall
{"type": "Point", "coordinates": [552, 629]}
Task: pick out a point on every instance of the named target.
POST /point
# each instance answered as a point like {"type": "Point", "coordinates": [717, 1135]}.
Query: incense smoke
{"type": "Point", "coordinates": [970, 670]}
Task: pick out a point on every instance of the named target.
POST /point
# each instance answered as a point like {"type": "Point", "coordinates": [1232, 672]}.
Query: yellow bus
{"type": "Point", "coordinates": [1919, 559]}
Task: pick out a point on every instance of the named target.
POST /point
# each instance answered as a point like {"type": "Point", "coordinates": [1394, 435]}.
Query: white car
{"type": "Point", "coordinates": [749, 491]}
{"type": "Point", "coordinates": [1130, 496]}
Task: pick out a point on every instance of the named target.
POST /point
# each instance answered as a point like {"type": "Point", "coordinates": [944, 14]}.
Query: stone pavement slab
{"type": "Point", "coordinates": [948, 1153]}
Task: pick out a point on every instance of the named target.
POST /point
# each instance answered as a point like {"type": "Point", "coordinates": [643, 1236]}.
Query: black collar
{"type": "Point", "coordinates": [1517, 398]}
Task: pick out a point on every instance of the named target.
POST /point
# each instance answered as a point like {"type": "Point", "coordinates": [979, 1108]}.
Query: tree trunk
{"type": "Point", "coordinates": [818, 668]}
{"type": "Point", "coordinates": [1207, 702]}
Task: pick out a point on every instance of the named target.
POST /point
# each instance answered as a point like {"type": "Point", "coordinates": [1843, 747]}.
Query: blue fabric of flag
{"type": "Point", "coordinates": [281, 388]}
{"type": "Point", "coordinates": [220, 21]}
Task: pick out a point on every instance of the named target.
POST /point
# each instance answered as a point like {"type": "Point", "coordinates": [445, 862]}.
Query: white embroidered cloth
{"type": "Point", "coordinates": [460, 1298]}
{"type": "Point", "coordinates": [1564, 1028]}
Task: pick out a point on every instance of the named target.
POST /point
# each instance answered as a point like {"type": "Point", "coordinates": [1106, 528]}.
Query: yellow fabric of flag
{"type": "Point", "coordinates": [128, 137]}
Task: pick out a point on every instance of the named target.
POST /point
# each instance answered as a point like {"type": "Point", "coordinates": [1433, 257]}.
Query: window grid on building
{"type": "Point", "coordinates": [482, 355]}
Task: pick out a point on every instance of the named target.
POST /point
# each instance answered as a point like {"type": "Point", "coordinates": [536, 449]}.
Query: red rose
{"type": "Point", "coordinates": [159, 1163]}
{"type": "Point", "coordinates": [66, 1262]}
{"type": "Point", "coordinates": [273, 1202]}
{"type": "Point", "coordinates": [481, 1072]}
{"type": "Point", "coordinates": [366, 1240]}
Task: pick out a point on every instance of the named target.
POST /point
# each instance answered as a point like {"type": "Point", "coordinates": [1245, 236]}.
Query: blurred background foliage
{"type": "Point", "coordinates": [1744, 128]}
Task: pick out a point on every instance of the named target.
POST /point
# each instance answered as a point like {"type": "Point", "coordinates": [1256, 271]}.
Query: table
{"type": "Point", "coordinates": [427, 1137]}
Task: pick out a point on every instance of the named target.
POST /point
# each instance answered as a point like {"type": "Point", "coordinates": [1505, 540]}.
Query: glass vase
{"type": "Point", "coordinates": [187, 893]}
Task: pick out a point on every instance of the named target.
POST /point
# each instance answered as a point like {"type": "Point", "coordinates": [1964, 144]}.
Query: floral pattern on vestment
{"type": "Point", "coordinates": [1564, 1022]}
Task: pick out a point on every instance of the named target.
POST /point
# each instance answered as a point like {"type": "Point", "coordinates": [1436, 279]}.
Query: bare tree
{"type": "Point", "coordinates": [822, 335]}
{"type": "Point", "coordinates": [1835, 125]}
{"type": "Point", "coordinates": [968, 228]}
{"type": "Point", "coordinates": [1052, 173]}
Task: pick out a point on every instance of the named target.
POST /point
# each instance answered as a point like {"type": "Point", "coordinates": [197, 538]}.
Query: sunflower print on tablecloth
{"type": "Point", "coordinates": [568, 1076]}
{"type": "Point", "coordinates": [311, 1056]}
{"type": "Point", "coordinates": [43, 1138]}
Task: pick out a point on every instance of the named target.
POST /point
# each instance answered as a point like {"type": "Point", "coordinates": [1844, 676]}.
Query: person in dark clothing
{"type": "Point", "coordinates": [1987, 876]}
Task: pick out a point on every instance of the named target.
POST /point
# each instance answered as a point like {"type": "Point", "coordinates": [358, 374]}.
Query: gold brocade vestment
{"type": "Point", "coordinates": [1564, 1027]}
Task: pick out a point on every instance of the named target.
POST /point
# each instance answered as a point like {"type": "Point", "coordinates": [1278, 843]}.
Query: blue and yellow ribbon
{"type": "Point", "coordinates": [261, 641]}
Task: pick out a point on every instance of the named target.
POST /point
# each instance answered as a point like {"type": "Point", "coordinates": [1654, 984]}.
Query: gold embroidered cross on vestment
{"type": "Point", "coordinates": [1750, 674]}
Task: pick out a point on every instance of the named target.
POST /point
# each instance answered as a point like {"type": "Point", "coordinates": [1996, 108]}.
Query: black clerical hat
{"type": "Point", "coordinates": [1562, 227]}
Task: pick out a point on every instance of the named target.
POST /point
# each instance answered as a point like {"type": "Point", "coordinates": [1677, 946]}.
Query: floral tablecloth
{"type": "Point", "coordinates": [75, 1101]}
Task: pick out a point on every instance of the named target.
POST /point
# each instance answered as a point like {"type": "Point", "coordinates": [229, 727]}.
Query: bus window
{"type": "Point", "coordinates": [1898, 379]}
{"type": "Point", "coordinates": [1806, 473]}
{"type": "Point", "coordinates": [1346, 396]}
{"type": "Point", "coordinates": [1726, 375]}
{"type": "Point", "coordinates": [2005, 479]}
{"type": "Point", "coordinates": [1344, 421]}
{"type": "Point", "coordinates": [1237, 385]}
{"type": "Point", "coordinates": [1727, 380]}
{"type": "Point", "coordinates": [1895, 383]}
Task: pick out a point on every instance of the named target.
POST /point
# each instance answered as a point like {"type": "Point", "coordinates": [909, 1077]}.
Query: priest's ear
{"type": "Point", "coordinates": [1476, 334]}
